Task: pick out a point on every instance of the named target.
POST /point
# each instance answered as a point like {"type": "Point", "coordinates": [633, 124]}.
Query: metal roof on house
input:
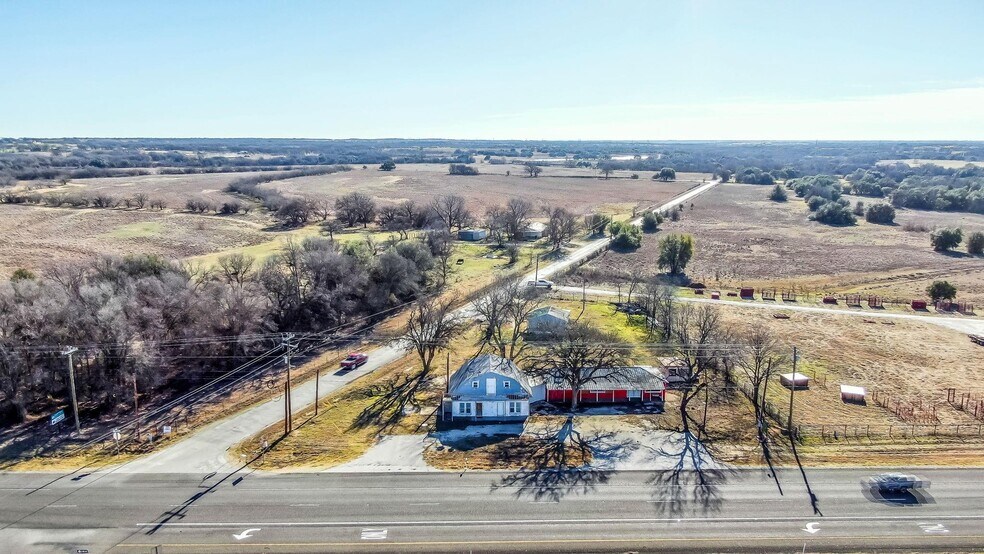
{"type": "Point", "coordinates": [630, 377]}
{"type": "Point", "coordinates": [486, 363]}
{"type": "Point", "coordinates": [536, 227]}
{"type": "Point", "coordinates": [550, 311]}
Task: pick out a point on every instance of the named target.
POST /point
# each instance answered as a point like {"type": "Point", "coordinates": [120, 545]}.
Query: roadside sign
{"type": "Point", "coordinates": [116, 434]}
{"type": "Point", "coordinates": [166, 430]}
{"type": "Point", "coordinates": [57, 417]}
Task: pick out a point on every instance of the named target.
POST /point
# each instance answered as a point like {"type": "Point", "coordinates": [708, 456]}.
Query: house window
{"type": "Point", "coordinates": [464, 408]}
{"type": "Point", "coordinates": [474, 384]}
{"type": "Point", "coordinates": [515, 408]}
{"type": "Point", "coordinates": [505, 384]}
{"type": "Point", "coordinates": [635, 394]}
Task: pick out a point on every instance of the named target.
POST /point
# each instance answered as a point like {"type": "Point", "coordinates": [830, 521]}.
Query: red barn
{"type": "Point", "coordinates": [620, 385]}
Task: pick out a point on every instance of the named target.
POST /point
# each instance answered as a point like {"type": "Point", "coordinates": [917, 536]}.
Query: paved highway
{"type": "Point", "coordinates": [206, 450]}
{"type": "Point", "coordinates": [575, 511]}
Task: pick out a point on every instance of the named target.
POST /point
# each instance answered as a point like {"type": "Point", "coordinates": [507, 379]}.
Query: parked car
{"type": "Point", "coordinates": [894, 482]}
{"type": "Point", "coordinates": [540, 284]}
{"type": "Point", "coordinates": [354, 360]}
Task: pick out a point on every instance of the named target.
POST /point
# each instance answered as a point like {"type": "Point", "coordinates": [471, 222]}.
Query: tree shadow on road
{"type": "Point", "coordinates": [692, 485]}
{"type": "Point", "coordinates": [558, 463]}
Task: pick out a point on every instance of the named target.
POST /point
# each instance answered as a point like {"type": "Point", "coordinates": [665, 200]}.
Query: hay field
{"type": "Point", "coordinates": [35, 236]}
{"type": "Point", "coordinates": [742, 238]}
{"type": "Point", "coordinates": [579, 190]}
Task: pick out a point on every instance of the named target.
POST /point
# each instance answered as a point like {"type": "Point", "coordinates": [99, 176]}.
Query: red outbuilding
{"type": "Point", "coordinates": [623, 385]}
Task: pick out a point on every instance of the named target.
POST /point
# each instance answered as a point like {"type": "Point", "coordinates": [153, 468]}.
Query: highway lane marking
{"type": "Point", "coordinates": [424, 504]}
{"type": "Point", "coordinates": [374, 534]}
{"type": "Point", "coordinates": [933, 528]}
{"type": "Point", "coordinates": [650, 540]}
{"type": "Point", "coordinates": [245, 534]}
{"type": "Point", "coordinates": [555, 521]}
{"type": "Point", "coordinates": [304, 505]}
{"type": "Point", "coordinates": [63, 505]}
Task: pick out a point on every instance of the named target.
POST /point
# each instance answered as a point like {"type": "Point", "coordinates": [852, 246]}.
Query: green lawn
{"type": "Point", "coordinates": [142, 229]}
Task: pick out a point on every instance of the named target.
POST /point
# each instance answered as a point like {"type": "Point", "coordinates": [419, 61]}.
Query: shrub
{"type": "Point", "coordinates": [651, 221]}
{"type": "Point", "coordinates": [915, 227]}
{"type": "Point", "coordinates": [859, 208]}
{"type": "Point", "coordinates": [975, 243]}
{"type": "Point", "coordinates": [880, 213]}
{"type": "Point", "coordinates": [461, 169]}
{"type": "Point", "coordinates": [386, 166]}
{"type": "Point", "coordinates": [675, 252]}
{"type": "Point", "coordinates": [625, 236]}
{"type": "Point", "coordinates": [634, 176]}
{"type": "Point", "coordinates": [778, 194]}
{"type": "Point", "coordinates": [834, 213]}
{"type": "Point", "coordinates": [815, 202]}
{"type": "Point", "coordinates": [941, 290]}
{"type": "Point", "coordinates": [231, 207]}
{"type": "Point", "coordinates": [946, 238]}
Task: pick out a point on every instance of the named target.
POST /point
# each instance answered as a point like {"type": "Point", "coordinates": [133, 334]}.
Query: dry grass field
{"type": "Point", "coordinates": [949, 164]}
{"type": "Point", "coordinates": [909, 362]}
{"type": "Point", "coordinates": [174, 189]}
{"type": "Point", "coordinates": [34, 236]}
{"type": "Point", "coordinates": [742, 238]}
{"type": "Point", "coordinates": [579, 190]}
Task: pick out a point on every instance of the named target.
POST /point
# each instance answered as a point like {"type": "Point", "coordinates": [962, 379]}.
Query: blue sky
{"type": "Point", "coordinates": [496, 69]}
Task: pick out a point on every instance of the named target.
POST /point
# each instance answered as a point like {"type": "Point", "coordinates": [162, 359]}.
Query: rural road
{"type": "Point", "coordinates": [964, 325]}
{"type": "Point", "coordinates": [205, 451]}
{"type": "Point", "coordinates": [735, 511]}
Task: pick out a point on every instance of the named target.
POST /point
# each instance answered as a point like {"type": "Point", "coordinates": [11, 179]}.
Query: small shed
{"type": "Point", "coordinates": [472, 234]}
{"type": "Point", "coordinates": [797, 380]}
{"type": "Point", "coordinates": [546, 320]}
{"type": "Point", "coordinates": [715, 295]}
{"type": "Point", "coordinates": [534, 231]}
{"type": "Point", "coordinates": [852, 394]}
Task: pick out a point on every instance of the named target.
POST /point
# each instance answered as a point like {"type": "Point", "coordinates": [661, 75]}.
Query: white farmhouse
{"type": "Point", "coordinates": [487, 388]}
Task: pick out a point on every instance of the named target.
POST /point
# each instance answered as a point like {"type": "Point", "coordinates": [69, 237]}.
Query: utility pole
{"type": "Point", "coordinates": [288, 408]}
{"type": "Point", "coordinates": [536, 272]}
{"type": "Point", "coordinates": [71, 383]}
{"type": "Point", "coordinates": [792, 389]}
{"type": "Point", "coordinates": [317, 384]}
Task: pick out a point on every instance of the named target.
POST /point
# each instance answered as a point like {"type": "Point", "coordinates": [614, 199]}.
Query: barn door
{"type": "Point", "coordinates": [490, 386]}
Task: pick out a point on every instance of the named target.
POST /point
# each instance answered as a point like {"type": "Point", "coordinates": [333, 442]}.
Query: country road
{"type": "Point", "coordinates": [958, 323]}
{"type": "Point", "coordinates": [206, 450]}
{"type": "Point", "coordinates": [734, 511]}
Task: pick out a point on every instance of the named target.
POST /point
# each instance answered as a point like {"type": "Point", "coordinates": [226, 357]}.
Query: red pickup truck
{"type": "Point", "coordinates": [354, 360]}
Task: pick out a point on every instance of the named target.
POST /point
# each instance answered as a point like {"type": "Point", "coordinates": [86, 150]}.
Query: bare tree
{"type": "Point", "coordinates": [140, 199]}
{"type": "Point", "coordinates": [331, 227]}
{"type": "Point", "coordinates": [495, 221]}
{"type": "Point", "coordinates": [431, 327]}
{"type": "Point", "coordinates": [760, 359]}
{"type": "Point", "coordinates": [579, 356]}
{"type": "Point", "coordinates": [236, 268]}
{"type": "Point", "coordinates": [562, 226]}
{"type": "Point", "coordinates": [321, 207]}
{"type": "Point", "coordinates": [658, 300]}
{"type": "Point", "coordinates": [606, 169]}
{"type": "Point", "coordinates": [532, 169]}
{"type": "Point", "coordinates": [695, 331]}
{"type": "Point", "coordinates": [517, 216]}
{"type": "Point", "coordinates": [451, 210]}
{"type": "Point", "coordinates": [504, 311]}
